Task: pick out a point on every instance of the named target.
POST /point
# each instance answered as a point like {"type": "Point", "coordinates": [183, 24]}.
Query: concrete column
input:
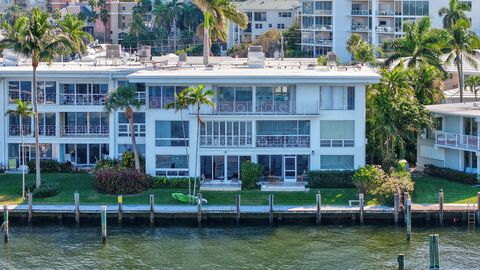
{"type": "Point", "coordinates": [374, 22]}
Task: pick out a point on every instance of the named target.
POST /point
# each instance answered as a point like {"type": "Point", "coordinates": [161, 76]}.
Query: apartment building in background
{"type": "Point", "coordinates": [326, 25]}
{"type": "Point", "coordinates": [263, 16]}
{"type": "Point", "coordinates": [288, 117]}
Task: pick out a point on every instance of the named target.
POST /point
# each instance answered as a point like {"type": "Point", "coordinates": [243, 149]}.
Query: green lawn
{"type": "Point", "coordinates": [427, 187]}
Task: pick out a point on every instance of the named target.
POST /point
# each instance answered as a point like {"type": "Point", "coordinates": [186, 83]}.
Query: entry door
{"type": "Point", "coordinates": [290, 168]}
{"type": "Point", "coordinates": [28, 153]}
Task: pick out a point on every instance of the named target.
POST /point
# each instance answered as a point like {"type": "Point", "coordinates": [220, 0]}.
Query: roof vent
{"type": "Point", "coordinates": [145, 54]}
{"type": "Point", "coordinates": [332, 59]}
{"type": "Point", "coordinates": [113, 51]}
{"type": "Point", "coordinates": [182, 57]}
{"type": "Point", "coordinates": [256, 57]}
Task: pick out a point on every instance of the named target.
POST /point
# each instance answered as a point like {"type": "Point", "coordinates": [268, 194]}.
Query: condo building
{"type": "Point", "coordinates": [289, 116]}
{"type": "Point", "coordinates": [327, 25]}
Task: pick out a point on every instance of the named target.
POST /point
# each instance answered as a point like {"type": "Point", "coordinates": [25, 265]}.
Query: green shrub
{"type": "Point", "coordinates": [250, 174]}
{"type": "Point", "coordinates": [46, 165]}
{"type": "Point", "coordinates": [452, 175]}
{"type": "Point", "coordinates": [367, 179]}
{"type": "Point", "coordinates": [106, 163]}
{"type": "Point", "coordinates": [330, 179]}
{"type": "Point", "coordinates": [45, 190]}
{"type": "Point", "coordinates": [177, 182]}
{"type": "Point", "coordinates": [128, 161]}
{"type": "Point", "coordinates": [65, 167]}
{"type": "Point", "coordinates": [123, 181]}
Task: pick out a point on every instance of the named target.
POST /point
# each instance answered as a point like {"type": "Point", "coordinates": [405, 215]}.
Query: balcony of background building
{"type": "Point", "coordinates": [82, 99]}
{"type": "Point", "coordinates": [283, 141]}
{"type": "Point", "coordinates": [455, 140]}
{"type": "Point", "coordinates": [262, 108]}
{"type": "Point", "coordinates": [84, 130]}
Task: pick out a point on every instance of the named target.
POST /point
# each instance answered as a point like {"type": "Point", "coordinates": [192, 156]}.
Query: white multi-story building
{"type": "Point", "coordinates": [263, 16]}
{"type": "Point", "coordinates": [288, 117]}
{"type": "Point", "coordinates": [327, 25]}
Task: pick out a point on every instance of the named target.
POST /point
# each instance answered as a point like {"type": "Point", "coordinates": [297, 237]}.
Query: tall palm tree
{"type": "Point", "coordinates": [217, 13]}
{"type": "Point", "coordinates": [104, 16]}
{"type": "Point", "coordinates": [73, 28]}
{"type": "Point", "coordinates": [137, 27]}
{"type": "Point", "coordinates": [419, 45]}
{"type": "Point", "coordinates": [39, 37]}
{"type": "Point", "coordinates": [461, 46]}
{"type": "Point", "coordinates": [198, 97]}
{"type": "Point", "coordinates": [427, 83]}
{"type": "Point", "coordinates": [454, 13]}
{"type": "Point", "coordinates": [474, 83]}
{"type": "Point", "coordinates": [124, 99]}
{"type": "Point", "coordinates": [23, 110]}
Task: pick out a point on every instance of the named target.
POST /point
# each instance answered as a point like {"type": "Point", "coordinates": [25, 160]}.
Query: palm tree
{"type": "Point", "coordinates": [419, 45]}
{"type": "Point", "coordinates": [473, 82]}
{"type": "Point", "coordinates": [137, 27]}
{"type": "Point", "coordinates": [104, 19]}
{"type": "Point", "coordinates": [217, 13]}
{"type": "Point", "coordinates": [124, 99]}
{"type": "Point", "coordinates": [197, 97]}
{"type": "Point", "coordinates": [427, 83]}
{"type": "Point", "coordinates": [39, 37]}
{"type": "Point", "coordinates": [73, 28]}
{"type": "Point", "coordinates": [461, 46]}
{"type": "Point", "coordinates": [23, 110]}
{"type": "Point", "coordinates": [454, 13]}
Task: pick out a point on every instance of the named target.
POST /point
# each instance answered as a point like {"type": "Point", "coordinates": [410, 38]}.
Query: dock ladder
{"type": "Point", "coordinates": [471, 214]}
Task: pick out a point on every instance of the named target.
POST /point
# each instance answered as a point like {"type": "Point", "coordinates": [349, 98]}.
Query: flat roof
{"type": "Point", "coordinates": [267, 5]}
{"type": "Point", "coordinates": [458, 109]}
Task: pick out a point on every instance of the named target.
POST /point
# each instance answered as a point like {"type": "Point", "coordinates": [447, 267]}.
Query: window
{"type": "Point", "coordinates": [336, 162]}
{"type": "Point", "coordinates": [234, 99]}
{"type": "Point", "coordinates": [170, 165]}
{"type": "Point", "coordinates": [283, 133]}
{"type": "Point", "coordinates": [322, 7]}
{"type": "Point", "coordinates": [83, 93]}
{"type": "Point", "coordinates": [221, 167]}
{"type": "Point", "coordinates": [470, 162]}
{"type": "Point", "coordinates": [284, 14]}
{"type": "Point", "coordinates": [272, 165]}
{"type": "Point", "coordinates": [270, 25]}
{"type": "Point", "coordinates": [226, 134]}
{"type": "Point", "coordinates": [122, 148]}
{"type": "Point", "coordinates": [415, 8]}
{"type": "Point", "coordinates": [258, 26]}
{"type": "Point", "coordinates": [47, 124]}
{"type": "Point", "coordinates": [275, 99]}
{"type": "Point", "coordinates": [47, 92]}
{"type": "Point", "coordinates": [171, 133]}
{"type": "Point", "coordinates": [160, 96]}
{"type": "Point", "coordinates": [19, 90]}
{"type": "Point", "coordinates": [307, 7]}
{"type": "Point", "coordinates": [141, 89]}
{"type": "Point", "coordinates": [85, 154]}
{"type": "Point", "coordinates": [281, 26]}
{"type": "Point", "coordinates": [85, 123]}
{"type": "Point", "coordinates": [470, 126]}
{"type": "Point", "coordinates": [123, 8]}
{"type": "Point", "coordinates": [138, 124]}
{"type": "Point", "coordinates": [15, 151]}
{"type": "Point", "coordinates": [260, 16]}
{"type": "Point", "coordinates": [337, 98]}
{"type": "Point", "coordinates": [337, 133]}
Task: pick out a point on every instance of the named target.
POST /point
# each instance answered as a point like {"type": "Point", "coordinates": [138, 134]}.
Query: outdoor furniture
{"type": "Point", "coordinates": [12, 164]}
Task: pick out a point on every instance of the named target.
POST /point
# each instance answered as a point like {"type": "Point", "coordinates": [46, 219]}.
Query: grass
{"type": "Point", "coordinates": [10, 188]}
{"type": "Point", "coordinates": [427, 187]}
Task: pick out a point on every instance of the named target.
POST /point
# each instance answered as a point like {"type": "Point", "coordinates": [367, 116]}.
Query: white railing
{"type": "Point", "coordinates": [386, 12]}
{"type": "Point", "coordinates": [360, 12]}
{"type": "Point", "coordinates": [385, 29]}
{"type": "Point", "coordinates": [124, 130]}
{"type": "Point", "coordinates": [337, 143]}
{"type": "Point", "coordinates": [24, 96]}
{"type": "Point", "coordinates": [45, 130]}
{"type": "Point", "coordinates": [283, 141]}
{"type": "Point", "coordinates": [159, 102]}
{"type": "Point", "coordinates": [263, 108]}
{"type": "Point", "coordinates": [82, 99]}
{"type": "Point", "coordinates": [85, 130]}
{"type": "Point", "coordinates": [323, 12]}
{"type": "Point", "coordinates": [457, 140]}
{"type": "Point", "coordinates": [141, 96]}
{"type": "Point", "coordinates": [360, 27]}
{"type": "Point", "coordinates": [226, 141]}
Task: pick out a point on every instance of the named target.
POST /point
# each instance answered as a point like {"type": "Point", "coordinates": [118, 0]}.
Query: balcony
{"type": "Point", "coordinates": [359, 12]}
{"type": "Point", "coordinates": [124, 130]}
{"type": "Point", "coordinates": [386, 12]}
{"type": "Point", "coordinates": [263, 108]}
{"type": "Point", "coordinates": [82, 99]}
{"type": "Point", "coordinates": [454, 140]}
{"type": "Point", "coordinates": [81, 131]}
{"type": "Point", "coordinates": [283, 141]}
{"type": "Point", "coordinates": [385, 29]}
{"type": "Point", "coordinates": [226, 141]}
{"type": "Point", "coordinates": [360, 28]}
{"type": "Point", "coordinates": [159, 102]}
{"type": "Point", "coordinates": [323, 12]}
{"type": "Point", "coordinates": [45, 130]}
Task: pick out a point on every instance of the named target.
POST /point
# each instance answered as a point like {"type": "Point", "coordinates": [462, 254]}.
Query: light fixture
{"type": "Point", "coordinates": [313, 152]}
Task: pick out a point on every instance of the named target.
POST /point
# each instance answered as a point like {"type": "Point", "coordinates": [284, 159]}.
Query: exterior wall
{"type": "Point", "coordinates": [427, 153]}
{"type": "Point", "coordinates": [119, 19]}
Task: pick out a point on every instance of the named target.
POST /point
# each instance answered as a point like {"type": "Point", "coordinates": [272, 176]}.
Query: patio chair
{"type": "Point", "coordinates": [12, 164]}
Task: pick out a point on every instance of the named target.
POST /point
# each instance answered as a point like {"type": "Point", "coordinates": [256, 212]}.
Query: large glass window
{"type": "Point", "coordinates": [470, 126]}
{"type": "Point", "coordinates": [336, 162]}
{"type": "Point", "coordinates": [171, 133]}
{"type": "Point", "coordinates": [47, 92]}
{"type": "Point", "coordinates": [170, 165]}
{"type": "Point", "coordinates": [275, 99]}
{"type": "Point", "coordinates": [260, 16]}
{"type": "Point", "coordinates": [307, 7]}
{"type": "Point", "coordinates": [85, 154]}
{"type": "Point", "coordinates": [221, 167]}
{"type": "Point", "coordinates": [337, 133]}
{"type": "Point", "coordinates": [234, 99]}
{"type": "Point", "coordinates": [161, 96]}
{"type": "Point", "coordinates": [122, 148]}
{"type": "Point", "coordinates": [47, 124]}
{"type": "Point", "coordinates": [15, 151]}
{"type": "Point", "coordinates": [415, 8]}
{"type": "Point", "coordinates": [85, 123]}
{"type": "Point", "coordinates": [272, 165]}
{"type": "Point", "coordinates": [83, 93]}
{"type": "Point", "coordinates": [138, 124]}
{"type": "Point", "coordinates": [140, 87]}
{"type": "Point", "coordinates": [283, 133]}
{"type": "Point", "coordinates": [337, 98]}
{"type": "Point", "coordinates": [226, 134]}
{"type": "Point", "coordinates": [19, 90]}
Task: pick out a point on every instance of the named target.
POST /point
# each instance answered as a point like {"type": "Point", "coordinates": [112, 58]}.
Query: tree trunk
{"type": "Point", "coordinates": [460, 77]}
{"type": "Point", "coordinates": [23, 158]}
{"type": "Point", "coordinates": [206, 49]}
{"type": "Point", "coordinates": [196, 150]}
{"type": "Point", "coordinates": [38, 180]}
{"type": "Point", "coordinates": [186, 150]}
{"type": "Point", "coordinates": [129, 115]}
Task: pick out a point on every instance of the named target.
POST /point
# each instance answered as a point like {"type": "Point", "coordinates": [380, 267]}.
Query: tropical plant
{"type": "Point", "coordinates": [73, 28]}
{"type": "Point", "coordinates": [137, 27]}
{"type": "Point", "coordinates": [361, 51]}
{"type": "Point", "coordinates": [12, 13]}
{"type": "Point", "coordinates": [23, 110]}
{"type": "Point", "coordinates": [454, 13]}
{"type": "Point", "coordinates": [474, 83]}
{"type": "Point", "coordinates": [419, 45]}
{"type": "Point", "coordinates": [104, 16]}
{"type": "Point", "coordinates": [124, 98]}
{"type": "Point", "coordinates": [38, 36]}
{"type": "Point", "coordinates": [427, 83]}
{"type": "Point", "coordinates": [216, 14]}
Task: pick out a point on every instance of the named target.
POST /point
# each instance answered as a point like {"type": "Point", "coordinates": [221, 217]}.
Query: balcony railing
{"type": "Point", "coordinates": [124, 130]}
{"type": "Point", "coordinates": [323, 12]}
{"type": "Point", "coordinates": [317, 41]}
{"type": "Point", "coordinates": [82, 99]}
{"type": "Point", "coordinates": [386, 12]}
{"type": "Point", "coordinates": [358, 12]}
{"type": "Point", "coordinates": [337, 143]}
{"type": "Point", "coordinates": [159, 102]}
{"type": "Point", "coordinates": [263, 108]}
{"type": "Point", "coordinates": [24, 96]}
{"type": "Point", "coordinates": [385, 29]}
{"type": "Point", "coordinates": [85, 130]}
{"type": "Point", "coordinates": [226, 141]}
{"type": "Point", "coordinates": [360, 27]}
{"type": "Point", "coordinates": [44, 130]}
{"type": "Point", "coordinates": [457, 140]}
{"type": "Point", "coordinates": [283, 141]}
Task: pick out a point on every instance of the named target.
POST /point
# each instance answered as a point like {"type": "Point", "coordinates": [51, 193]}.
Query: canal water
{"type": "Point", "coordinates": [234, 247]}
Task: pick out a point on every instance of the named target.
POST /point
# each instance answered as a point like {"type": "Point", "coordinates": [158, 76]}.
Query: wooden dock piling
{"type": "Point", "coordinates": [76, 198]}
{"type": "Point", "coordinates": [120, 208]}
{"type": "Point", "coordinates": [408, 217]}
{"type": "Point", "coordinates": [30, 206]}
{"type": "Point", "coordinates": [103, 217]}
{"type": "Point", "coordinates": [152, 209]}
{"type": "Point", "coordinates": [478, 208]}
{"type": "Point", "coordinates": [237, 205]}
{"type": "Point", "coordinates": [199, 209]}
{"type": "Point", "coordinates": [361, 202]}
{"type": "Point", "coordinates": [396, 207]}
{"type": "Point", "coordinates": [319, 208]}
{"type": "Point", "coordinates": [5, 223]}
{"type": "Point", "coordinates": [401, 261]}
{"type": "Point", "coordinates": [270, 209]}
{"type": "Point", "coordinates": [440, 207]}
{"type": "Point", "coordinates": [434, 255]}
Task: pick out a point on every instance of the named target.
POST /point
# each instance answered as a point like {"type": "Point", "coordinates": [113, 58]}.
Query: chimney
{"type": "Point", "coordinates": [256, 57]}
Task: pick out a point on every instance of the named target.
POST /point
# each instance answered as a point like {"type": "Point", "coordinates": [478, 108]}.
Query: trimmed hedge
{"type": "Point", "coordinates": [50, 166]}
{"type": "Point", "coordinates": [112, 181]}
{"type": "Point", "coordinates": [452, 175]}
{"type": "Point", "coordinates": [331, 179]}
{"type": "Point", "coordinates": [45, 190]}
{"type": "Point", "coordinates": [165, 182]}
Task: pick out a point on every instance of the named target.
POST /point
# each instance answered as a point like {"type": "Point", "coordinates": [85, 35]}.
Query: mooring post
{"type": "Point", "coordinates": [270, 209]}
{"type": "Point", "coordinates": [319, 208]}
{"type": "Point", "coordinates": [396, 207]}
{"type": "Point", "coordinates": [401, 261]}
{"type": "Point", "coordinates": [361, 204]}
{"type": "Point", "coordinates": [408, 217]}
{"type": "Point", "coordinates": [199, 209]}
{"type": "Point", "coordinates": [434, 255]}
{"type": "Point", "coordinates": [103, 217]}
{"type": "Point", "coordinates": [237, 204]}
{"type": "Point", "coordinates": [478, 208]}
{"type": "Point", "coordinates": [120, 208]}
{"type": "Point", "coordinates": [440, 206]}
{"type": "Point", "coordinates": [30, 206]}
{"type": "Point", "coordinates": [5, 223]}
{"type": "Point", "coordinates": [152, 208]}
{"type": "Point", "coordinates": [76, 198]}
{"type": "Point", "coordinates": [405, 196]}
